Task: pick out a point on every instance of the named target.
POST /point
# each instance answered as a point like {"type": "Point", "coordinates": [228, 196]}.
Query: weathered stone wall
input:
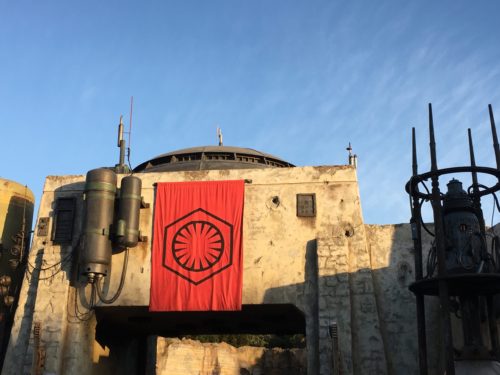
{"type": "Point", "coordinates": [279, 255]}
{"type": "Point", "coordinates": [189, 357]}
{"type": "Point", "coordinates": [393, 270]}
{"type": "Point", "coordinates": [331, 266]}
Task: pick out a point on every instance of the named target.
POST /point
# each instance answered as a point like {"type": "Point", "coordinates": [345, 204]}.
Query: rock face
{"type": "Point", "coordinates": [174, 356]}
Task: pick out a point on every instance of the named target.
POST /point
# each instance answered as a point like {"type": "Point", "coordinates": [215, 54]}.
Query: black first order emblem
{"type": "Point", "coordinates": [198, 246]}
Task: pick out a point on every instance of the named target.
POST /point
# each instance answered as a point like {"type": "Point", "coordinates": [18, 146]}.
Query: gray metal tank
{"type": "Point", "coordinates": [100, 190]}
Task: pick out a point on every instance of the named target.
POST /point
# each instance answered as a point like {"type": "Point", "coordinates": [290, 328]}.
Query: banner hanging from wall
{"type": "Point", "coordinates": [197, 255]}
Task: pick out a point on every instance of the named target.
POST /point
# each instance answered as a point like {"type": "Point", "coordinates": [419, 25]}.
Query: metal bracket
{"type": "Point", "coordinates": [142, 238]}
{"type": "Point", "coordinates": [144, 204]}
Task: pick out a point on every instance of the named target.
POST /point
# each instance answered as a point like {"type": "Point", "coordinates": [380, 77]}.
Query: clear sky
{"type": "Point", "coordinates": [298, 79]}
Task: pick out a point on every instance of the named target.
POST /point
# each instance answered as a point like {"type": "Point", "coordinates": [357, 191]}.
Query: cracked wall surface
{"type": "Point", "coordinates": [332, 266]}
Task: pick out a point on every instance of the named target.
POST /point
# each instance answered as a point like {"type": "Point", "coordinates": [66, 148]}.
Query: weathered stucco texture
{"type": "Point", "coordinates": [331, 266]}
{"type": "Point", "coordinates": [189, 357]}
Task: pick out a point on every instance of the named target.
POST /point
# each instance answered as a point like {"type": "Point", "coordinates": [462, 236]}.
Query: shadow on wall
{"type": "Point", "coordinates": [372, 307]}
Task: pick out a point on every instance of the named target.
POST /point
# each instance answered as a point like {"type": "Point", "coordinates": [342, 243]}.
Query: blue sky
{"type": "Point", "coordinates": [298, 79]}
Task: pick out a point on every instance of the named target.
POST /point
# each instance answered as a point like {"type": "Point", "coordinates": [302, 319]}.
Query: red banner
{"type": "Point", "coordinates": [197, 258]}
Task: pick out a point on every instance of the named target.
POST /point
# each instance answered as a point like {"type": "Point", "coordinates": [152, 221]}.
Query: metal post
{"type": "Point", "coordinates": [475, 185]}
{"type": "Point", "coordinates": [440, 249]}
{"type": "Point", "coordinates": [496, 147]}
{"type": "Point", "coordinates": [417, 244]}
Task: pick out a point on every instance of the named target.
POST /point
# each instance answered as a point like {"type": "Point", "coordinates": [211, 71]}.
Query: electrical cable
{"type": "Point", "coordinates": [51, 266]}
{"type": "Point", "coordinates": [120, 287]}
{"type": "Point", "coordinates": [87, 315]}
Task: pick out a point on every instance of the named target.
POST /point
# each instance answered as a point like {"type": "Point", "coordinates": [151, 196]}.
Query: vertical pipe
{"type": "Point", "coordinates": [417, 244]}
{"type": "Point", "coordinates": [440, 249]}
{"type": "Point", "coordinates": [495, 138]}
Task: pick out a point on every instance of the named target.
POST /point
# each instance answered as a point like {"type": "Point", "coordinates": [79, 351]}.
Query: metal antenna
{"type": "Point", "coordinates": [130, 131]}
{"type": "Point", "coordinates": [495, 138]}
{"type": "Point", "coordinates": [130, 124]}
{"type": "Point", "coordinates": [353, 158]}
{"type": "Point", "coordinates": [219, 136]}
{"type": "Point", "coordinates": [121, 167]}
{"type": "Point", "coordinates": [121, 142]}
{"type": "Point", "coordinates": [432, 142]}
{"type": "Point", "coordinates": [120, 131]}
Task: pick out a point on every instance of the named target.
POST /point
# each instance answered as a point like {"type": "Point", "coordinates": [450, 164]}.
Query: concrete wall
{"type": "Point", "coordinates": [189, 357]}
{"type": "Point", "coordinates": [332, 267]}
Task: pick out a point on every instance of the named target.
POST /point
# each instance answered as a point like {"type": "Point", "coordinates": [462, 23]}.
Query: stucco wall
{"type": "Point", "coordinates": [276, 244]}
{"type": "Point", "coordinates": [189, 357]}
{"type": "Point", "coordinates": [333, 267]}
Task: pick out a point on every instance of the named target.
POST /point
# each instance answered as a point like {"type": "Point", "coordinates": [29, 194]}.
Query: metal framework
{"type": "Point", "coordinates": [468, 291]}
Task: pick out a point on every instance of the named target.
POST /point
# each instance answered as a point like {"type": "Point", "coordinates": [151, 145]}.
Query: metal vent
{"type": "Point", "coordinates": [306, 205]}
{"type": "Point", "coordinates": [64, 218]}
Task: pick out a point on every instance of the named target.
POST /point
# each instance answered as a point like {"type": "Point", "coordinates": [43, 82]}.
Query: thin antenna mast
{"type": "Point", "coordinates": [353, 158]}
{"type": "Point", "coordinates": [219, 136]}
{"type": "Point", "coordinates": [121, 143]}
{"type": "Point", "coordinates": [130, 124]}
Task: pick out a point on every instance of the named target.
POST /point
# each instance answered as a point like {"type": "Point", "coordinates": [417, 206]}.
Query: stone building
{"type": "Point", "coordinates": [309, 262]}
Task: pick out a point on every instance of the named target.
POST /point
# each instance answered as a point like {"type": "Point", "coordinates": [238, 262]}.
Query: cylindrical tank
{"type": "Point", "coordinates": [16, 216]}
{"type": "Point", "coordinates": [127, 228]}
{"type": "Point", "coordinates": [16, 207]}
{"type": "Point", "coordinates": [100, 189]}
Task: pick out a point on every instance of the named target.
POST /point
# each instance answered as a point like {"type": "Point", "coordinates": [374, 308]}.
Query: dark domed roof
{"type": "Point", "coordinates": [211, 157]}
